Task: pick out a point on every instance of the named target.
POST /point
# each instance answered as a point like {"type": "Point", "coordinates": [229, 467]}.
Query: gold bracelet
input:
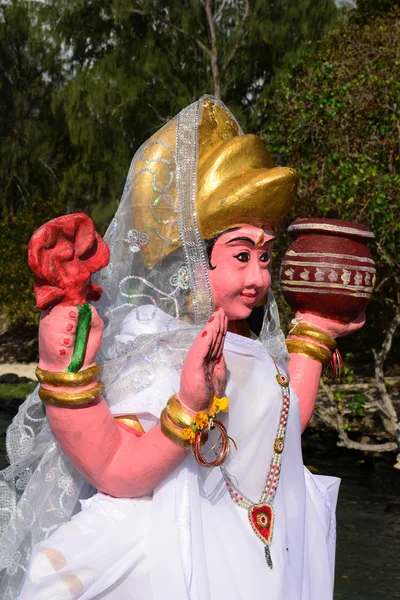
{"type": "Point", "coordinates": [176, 413]}
{"type": "Point", "coordinates": [71, 399]}
{"type": "Point", "coordinates": [310, 331]}
{"type": "Point", "coordinates": [60, 378]}
{"type": "Point", "coordinates": [310, 350]}
{"type": "Point", "coordinates": [171, 431]}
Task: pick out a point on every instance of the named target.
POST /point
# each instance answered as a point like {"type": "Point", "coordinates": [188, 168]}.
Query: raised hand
{"type": "Point", "coordinates": [204, 369]}
{"type": "Point", "coordinates": [57, 329]}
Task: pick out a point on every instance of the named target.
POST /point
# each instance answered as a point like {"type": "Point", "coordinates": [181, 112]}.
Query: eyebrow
{"type": "Point", "coordinates": [247, 239]}
{"type": "Point", "coordinates": [241, 239]}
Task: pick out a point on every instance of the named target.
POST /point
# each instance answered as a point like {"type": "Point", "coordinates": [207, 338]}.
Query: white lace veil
{"type": "Point", "coordinates": [158, 267]}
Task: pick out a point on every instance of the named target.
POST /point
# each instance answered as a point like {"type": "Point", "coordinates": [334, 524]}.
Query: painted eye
{"type": "Point", "coordinates": [264, 257]}
{"type": "Point", "coordinates": [243, 257]}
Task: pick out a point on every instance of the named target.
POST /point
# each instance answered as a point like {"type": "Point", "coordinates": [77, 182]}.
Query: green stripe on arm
{"type": "Point", "coordinates": [81, 337]}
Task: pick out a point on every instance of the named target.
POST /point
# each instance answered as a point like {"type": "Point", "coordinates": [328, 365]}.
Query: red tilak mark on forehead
{"type": "Point", "coordinates": [204, 334]}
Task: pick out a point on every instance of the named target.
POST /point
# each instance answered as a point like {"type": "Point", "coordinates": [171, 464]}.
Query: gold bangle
{"type": "Point", "coordinates": [308, 330]}
{"type": "Point", "coordinates": [171, 431]}
{"type": "Point", "coordinates": [71, 399]}
{"type": "Point", "coordinates": [310, 350]}
{"type": "Point", "coordinates": [176, 413]}
{"type": "Point", "coordinates": [59, 378]}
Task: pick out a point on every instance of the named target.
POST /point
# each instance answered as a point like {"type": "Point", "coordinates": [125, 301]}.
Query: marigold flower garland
{"type": "Point", "coordinates": [187, 431]}
{"type": "Point", "coordinates": [201, 420]}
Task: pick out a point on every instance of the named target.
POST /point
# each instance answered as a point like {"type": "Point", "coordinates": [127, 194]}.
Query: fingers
{"type": "Point", "coordinates": [206, 340]}
{"type": "Point", "coordinates": [219, 316]}
{"type": "Point", "coordinates": [217, 353]}
{"type": "Point", "coordinates": [57, 332]}
{"type": "Point", "coordinates": [57, 337]}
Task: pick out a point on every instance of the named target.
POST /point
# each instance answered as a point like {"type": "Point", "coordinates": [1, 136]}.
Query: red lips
{"type": "Point", "coordinates": [249, 295]}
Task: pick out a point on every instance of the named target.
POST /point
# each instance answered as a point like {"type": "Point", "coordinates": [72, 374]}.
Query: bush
{"type": "Point", "coordinates": [338, 125]}
{"type": "Point", "coordinates": [17, 301]}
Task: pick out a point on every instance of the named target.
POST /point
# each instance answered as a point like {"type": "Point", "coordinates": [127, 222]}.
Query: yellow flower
{"type": "Point", "coordinates": [201, 420]}
{"type": "Point", "coordinates": [220, 404]}
{"type": "Point", "coordinates": [188, 434]}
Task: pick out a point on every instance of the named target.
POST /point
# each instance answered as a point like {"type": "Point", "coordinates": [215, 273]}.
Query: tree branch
{"type": "Point", "coordinates": [219, 12]}
{"type": "Point", "coordinates": [214, 52]}
{"type": "Point", "coordinates": [344, 439]}
{"type": "Point", "coordinates": [160, 18]}
{"type": "Point", "coordinates": [379, 374]}
{"type": "Point", "coordinates": [240, 38]}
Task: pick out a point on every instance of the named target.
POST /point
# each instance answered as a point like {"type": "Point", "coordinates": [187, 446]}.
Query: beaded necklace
{"type": "Point", "coordinates": [261, 514]}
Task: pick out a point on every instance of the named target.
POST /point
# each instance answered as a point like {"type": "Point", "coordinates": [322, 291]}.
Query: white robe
{"type": "Point", "coordinates": [189, 541]}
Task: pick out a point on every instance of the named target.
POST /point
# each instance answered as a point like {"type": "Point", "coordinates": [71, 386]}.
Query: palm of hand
{"type": "Point", "coordinates": [204, 370]}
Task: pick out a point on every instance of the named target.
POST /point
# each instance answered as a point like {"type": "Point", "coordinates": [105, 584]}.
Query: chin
{"type": "Point", "coordinates": [238, 313]}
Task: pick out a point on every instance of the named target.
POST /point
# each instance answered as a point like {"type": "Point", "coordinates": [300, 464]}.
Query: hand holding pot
{"type": "Point", "coordinates": [334, 328]}
{"type": "Point", "coordinates": [328, 271]}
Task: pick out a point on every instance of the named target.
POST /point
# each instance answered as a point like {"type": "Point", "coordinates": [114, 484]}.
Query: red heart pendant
{"type": "Point", "coordinates": [261, 517]}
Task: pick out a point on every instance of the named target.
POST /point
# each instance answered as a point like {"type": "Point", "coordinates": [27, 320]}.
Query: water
{"type": "Point", "coordinates": [368, 543]}
{"type": "Point", "coordinates": [368, 540]}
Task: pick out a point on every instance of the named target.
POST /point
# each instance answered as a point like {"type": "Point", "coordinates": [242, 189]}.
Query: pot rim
{"type": "Point", "coordinates": [333, 226]}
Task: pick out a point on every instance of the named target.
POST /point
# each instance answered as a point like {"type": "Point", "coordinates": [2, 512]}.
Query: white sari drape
{"type": "Point", "coordinates": [189, 541]}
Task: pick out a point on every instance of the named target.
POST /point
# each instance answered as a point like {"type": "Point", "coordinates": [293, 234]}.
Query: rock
{"type": "Point", "coordinates": [392, 508]}
{"type": "Point", "coordinates": [384, 478]}
{"type": "Point", "coordinates": [9, 378]}
{"type": "Point", "coordinates": [13, 378]}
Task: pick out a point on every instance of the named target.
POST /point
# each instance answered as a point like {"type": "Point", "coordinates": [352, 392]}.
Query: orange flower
{"type": "Point", "coordinates": [188, 434]}
{"type": "Point", "coordinates": [201, 420]}
{"type": "Point", "coordinates": [220, 404]}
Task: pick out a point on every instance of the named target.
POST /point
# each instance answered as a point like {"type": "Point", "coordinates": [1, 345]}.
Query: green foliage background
{"type": "Point", "coordinates": [84, 82]}
{"type": "Point", "coordinates": [338, 123]}
{"type": "Point", "coordinates": [16, 282]}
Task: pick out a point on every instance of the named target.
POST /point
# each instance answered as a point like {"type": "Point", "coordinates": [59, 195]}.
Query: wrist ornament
{"type": "Point", "coordinates": [71, 399]}
{"type": "Point", "coordinates": [188, 431]}
{"type": "Point", "coordinates": [307, 330]}
{"type": "Point", "coordinates": [65, 378]}
{"type": "Point", "coordinates": [334, 367]}
{"type": "Point", "coordinates": [311, 350]}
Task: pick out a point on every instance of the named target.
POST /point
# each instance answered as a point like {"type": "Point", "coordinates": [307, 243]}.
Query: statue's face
{"type": "Point", "coordinates": [239, 274]}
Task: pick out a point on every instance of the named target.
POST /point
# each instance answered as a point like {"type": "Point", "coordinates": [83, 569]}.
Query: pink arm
{"type": "Point", "coordinates": [305, 373]}
{"type": "Point", "coordinates": [113, 458]}
{"type": "Point", "coordinates": [116, 461]}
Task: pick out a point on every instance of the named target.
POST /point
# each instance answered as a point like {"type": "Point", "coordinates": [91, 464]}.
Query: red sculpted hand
{"type": "Point", "coordinates": [334, 328]}
{"type": "Point", "coordinates": [57, 330]}
{"type": "Point", "coordinates": [204, 370]}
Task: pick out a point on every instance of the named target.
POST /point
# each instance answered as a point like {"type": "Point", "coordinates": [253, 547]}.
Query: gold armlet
{"type": "Point", "coordinates": [312, 332]}
{"type": "Point", "coordinates": [176, 413]}
{"type": "Point", "coordinates": [131, 421]}
{"type": "Point", "coordinates": [310, 350]}
{"type": "Point", "coordinates": [171, 431]}
{"type": "Point", "coordinates": [71, 399]}
{"type": "Point", "coordinates": [60, 378]}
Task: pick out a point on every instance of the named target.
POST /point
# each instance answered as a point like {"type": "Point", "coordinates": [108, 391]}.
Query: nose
{"type": "Point", "coordinates": [258, 277]}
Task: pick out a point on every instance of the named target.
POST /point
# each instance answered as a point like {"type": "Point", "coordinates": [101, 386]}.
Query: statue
{"type": "Point", "coordinates": [191, 440]}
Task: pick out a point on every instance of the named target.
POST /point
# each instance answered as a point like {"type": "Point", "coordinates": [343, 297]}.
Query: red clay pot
{"type": "Point", "coordinates": [328, 269]}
